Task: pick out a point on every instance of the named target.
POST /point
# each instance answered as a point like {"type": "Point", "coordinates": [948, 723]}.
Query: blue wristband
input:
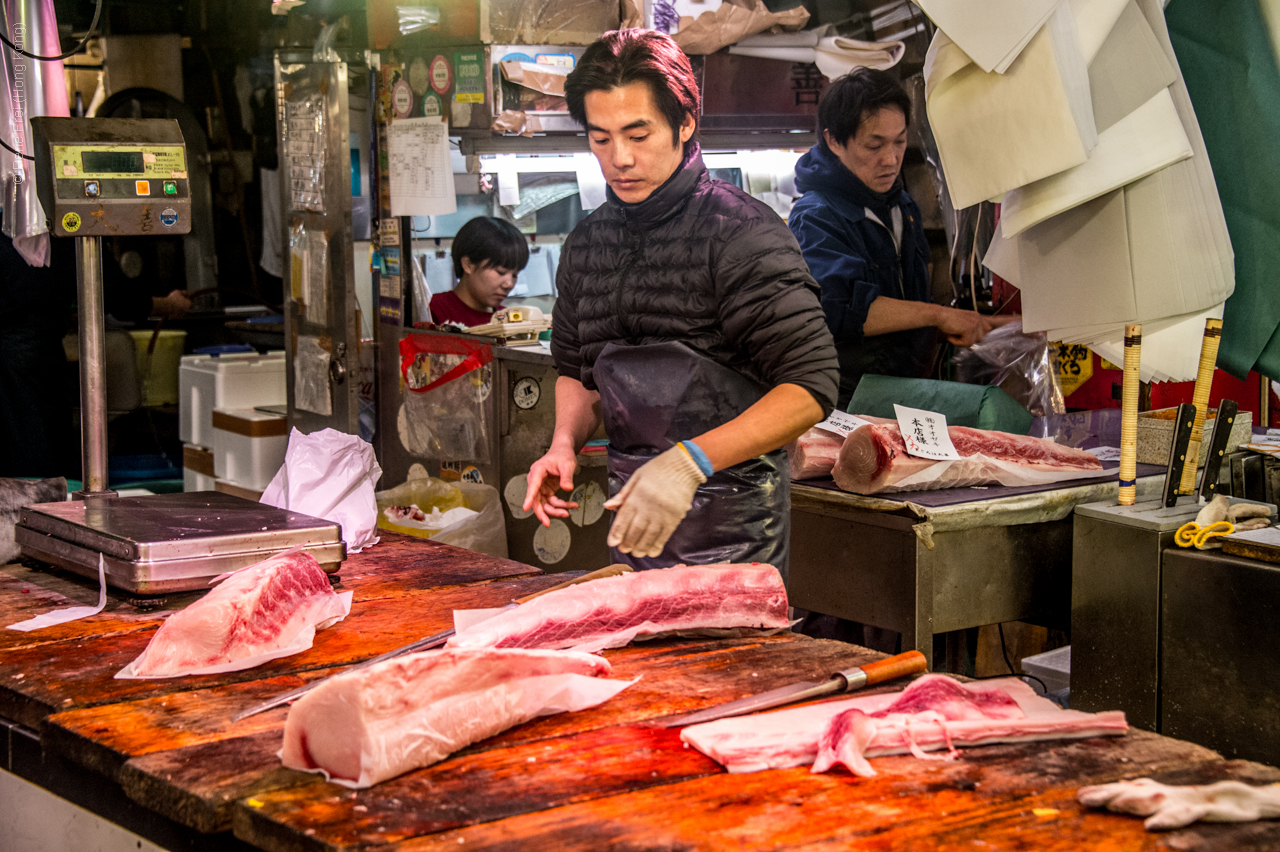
{"type": "Point", "coordinates": [699, 457]}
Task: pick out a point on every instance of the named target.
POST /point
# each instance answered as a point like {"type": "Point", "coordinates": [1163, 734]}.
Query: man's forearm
{"type": "Point", "coordinates": [889, 315]}
{"type": "Point", "coordinates": [577, 414]}
{"type": "Point", "coordinates": [780, 416]}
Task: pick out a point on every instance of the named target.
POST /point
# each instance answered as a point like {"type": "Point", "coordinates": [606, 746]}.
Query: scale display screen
{"type": "Point", "coordinates": [112, 162]}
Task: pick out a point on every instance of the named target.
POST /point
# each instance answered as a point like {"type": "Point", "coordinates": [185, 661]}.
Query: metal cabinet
{"type": "Point", "coordinates": [517, 405]}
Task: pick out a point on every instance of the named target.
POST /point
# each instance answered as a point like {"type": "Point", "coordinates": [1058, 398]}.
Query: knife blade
{"type": "Point", "coordinates": [869, 674]}
{"type": "Point", "coordinates": [1183, 422]}
{"type": "Point", "coordinates": [1218, 439]}
{"type": "Point", "coordinates": [425, 644]}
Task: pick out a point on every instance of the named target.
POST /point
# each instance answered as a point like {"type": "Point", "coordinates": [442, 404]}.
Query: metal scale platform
{"type": "Point", "coordinates": [128, 177]}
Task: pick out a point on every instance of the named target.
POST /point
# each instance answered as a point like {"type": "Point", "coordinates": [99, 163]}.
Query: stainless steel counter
{"type": "Point", "coordinates": [922, 571]}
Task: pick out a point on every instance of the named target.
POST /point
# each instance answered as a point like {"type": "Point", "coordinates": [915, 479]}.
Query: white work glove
{"type": "Point", "coordinates": [654, 502]}
{"type": "Point", "coordinates": [1174, 807]}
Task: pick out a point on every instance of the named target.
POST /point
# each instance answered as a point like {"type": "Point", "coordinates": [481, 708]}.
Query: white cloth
{"type": "Point", "coordinates": [835, 56]}
{"type": "Point", "coordinates": [997, 132]}
{"type": "Point", "coordinates": [992, 32]}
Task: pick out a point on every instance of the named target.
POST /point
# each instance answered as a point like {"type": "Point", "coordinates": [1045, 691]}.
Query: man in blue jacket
{"type": "Point", "coordinates": [862, 238]}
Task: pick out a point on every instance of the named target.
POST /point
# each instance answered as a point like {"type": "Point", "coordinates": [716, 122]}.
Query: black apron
{"type": "Point", "coordinates": [656, 395]}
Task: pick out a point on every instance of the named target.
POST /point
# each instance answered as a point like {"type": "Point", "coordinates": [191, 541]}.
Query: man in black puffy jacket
{"type": "Point", "coordinates": [687, 322]}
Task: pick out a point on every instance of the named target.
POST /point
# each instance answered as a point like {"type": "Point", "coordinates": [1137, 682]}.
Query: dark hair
{"type": "Point", "coordinates": [490, 242]}
{"type": "Point", "coordinates": [860, 93]}
{"type": "Point", "coordinates": [622, 57]}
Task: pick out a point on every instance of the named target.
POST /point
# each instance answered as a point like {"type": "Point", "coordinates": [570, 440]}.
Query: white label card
{"type": "Point", "coordinates": [1106, 453]}
{"type": "Point", "coordinates": [925, 433]}
{"type": "Point", "coordinates": [842, 424]}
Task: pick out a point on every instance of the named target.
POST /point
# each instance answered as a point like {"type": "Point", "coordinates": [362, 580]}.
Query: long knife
{"type": "Point", "coordinates": [869, 674]}
{"type": "Point", "coordinates": [1218, 438]}
{"type": "Point", "coordinates": [424, 644]}
{"type": "Point", "coordinates": [1183, 422]}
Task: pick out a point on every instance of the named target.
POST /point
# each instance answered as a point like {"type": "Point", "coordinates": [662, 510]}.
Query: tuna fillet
{"type": "Point", "coordinates": [814, 454]}
{"type": "Point", "coordinates": [369, 725]}
{"type": "Point", "coordinates": [874, 459]}
{"type": "Point", "coordinates": [259, 613]}
{"type": "Point", "coordinates": [934, 713]}
{"type": "Point", "coordinates": [610, 612]}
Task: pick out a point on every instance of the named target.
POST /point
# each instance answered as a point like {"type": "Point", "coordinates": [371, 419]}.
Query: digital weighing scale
{"type": "Point", "coordinates": [110, 177]}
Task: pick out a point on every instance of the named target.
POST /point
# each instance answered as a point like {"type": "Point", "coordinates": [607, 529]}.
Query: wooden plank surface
{"type": "Point", "coordinates": [175, 778]}
{"type": "Point", "coordinates": [606, 778]}
{"type": "Point", "coordinates": [988, 799]}
{"type": "Point", "coordinates": [86, 669]}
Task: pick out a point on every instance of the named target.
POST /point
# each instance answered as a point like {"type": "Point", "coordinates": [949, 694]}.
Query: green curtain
{"type": "Point", "coordinates": [1234, 82]}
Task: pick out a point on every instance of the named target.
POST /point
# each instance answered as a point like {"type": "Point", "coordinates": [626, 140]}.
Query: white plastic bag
{"type": "Point", "coordinates": [330, 475]}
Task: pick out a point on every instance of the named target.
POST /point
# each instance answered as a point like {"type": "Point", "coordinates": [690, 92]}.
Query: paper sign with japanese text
{"type": "Point", "coordinates": [1106, 453]}
{"type": "Point", "coordinates": [925, 433]}
{"type": "Point", "coordinates": [842, 424]}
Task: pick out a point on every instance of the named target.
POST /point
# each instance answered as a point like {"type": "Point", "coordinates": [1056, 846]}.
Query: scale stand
{"type": "Point", "coordinates": [101, 177]}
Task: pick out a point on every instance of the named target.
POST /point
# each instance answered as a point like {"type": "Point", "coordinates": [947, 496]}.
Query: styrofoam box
{"type": "Point", "coordinates": [1052, 667]}
{"type": "Point", "coordinates": [192, 481]}
{"type": "Point", "coordinates": [248, 446]}
{"type": "Point", "coordinates": [237, 380]}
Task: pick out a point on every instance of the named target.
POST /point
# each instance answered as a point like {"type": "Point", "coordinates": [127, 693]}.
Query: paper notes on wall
{"type": "Point", "coordinates": [421, 173]}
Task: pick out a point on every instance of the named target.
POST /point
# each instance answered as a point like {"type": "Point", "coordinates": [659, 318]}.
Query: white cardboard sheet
{"type": "Point", "coordinates": [997, 132]}
{"type": "Point", "coordinates": [1145, 141]}
{"type": "Point", "coordinates": [992, 32]}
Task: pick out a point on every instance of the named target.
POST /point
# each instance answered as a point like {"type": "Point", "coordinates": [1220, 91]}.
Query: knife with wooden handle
{"type": "Point", "coordinates": [424, 644]}
{"type": "Point", "coordinates": [869, 674]}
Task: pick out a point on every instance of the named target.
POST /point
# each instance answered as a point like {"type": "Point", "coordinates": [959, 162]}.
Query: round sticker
{"type": "Point", "coordinates": [402, 99]}
{"type": "Point", "coordinates": [71, 222]}
{"type": "Point", "coordinates": [472, 474]}
{"type": "Point", "coordinates": [590, 500]}
{"type": "Point", "coordinates": [431, 104]}
{"type": "Point", "coordinates": [526, 393]}
{"type": "Point", "coordinates": [419, 76]}
{"type": "Point", "coordinates": [441, 75]}
{"type": "Point", "coordinates": [514, 492]}
{"type": "Point", "coordinates": [168, 217]}
{"type": "Point", "coordinates": [551, 544]}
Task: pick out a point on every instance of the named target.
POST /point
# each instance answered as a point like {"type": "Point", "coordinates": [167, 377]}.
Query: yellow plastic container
{"type": "Point", "coordinates": [158, 370]}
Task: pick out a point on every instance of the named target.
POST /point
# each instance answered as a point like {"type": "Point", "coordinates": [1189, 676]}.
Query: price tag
{"type": "Point", "coordinates": [842, 424]}
{"type": "Point", "coordinates": [925, 433]}
{"type": "Point", "coordinates": [1106, 453]}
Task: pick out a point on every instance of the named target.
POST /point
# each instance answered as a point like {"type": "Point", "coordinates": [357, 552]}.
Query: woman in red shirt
{"type": "Point", "coordinates": [488, 255]}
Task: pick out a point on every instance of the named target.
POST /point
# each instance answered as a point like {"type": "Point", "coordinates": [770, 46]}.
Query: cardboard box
{"type": "Point", "coordinates": [1155, 433]}
{"type": "Point", "coordinates": [500, 21]}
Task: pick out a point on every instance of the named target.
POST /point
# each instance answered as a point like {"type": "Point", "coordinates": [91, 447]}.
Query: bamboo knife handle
{"type": "Point", "coordinates": [608, 571]}
{"type": "Point", "coordinates": [1129, 415]}
{"type": "Point", "coordinates": [1200, 396]}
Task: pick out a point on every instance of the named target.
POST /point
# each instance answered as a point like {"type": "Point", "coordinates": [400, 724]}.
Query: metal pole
{"type": "Point", "coordinates": [93, 363]}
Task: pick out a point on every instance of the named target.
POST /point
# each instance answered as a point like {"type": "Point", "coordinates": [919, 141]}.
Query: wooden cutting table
{"type": "Point", "coordinates": [163, 758]}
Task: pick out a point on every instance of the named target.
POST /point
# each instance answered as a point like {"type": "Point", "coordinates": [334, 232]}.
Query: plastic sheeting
{"type": "Point", "coordinates": [28, 88]}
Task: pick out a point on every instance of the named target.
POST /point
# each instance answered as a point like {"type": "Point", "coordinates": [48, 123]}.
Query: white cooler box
{"type": "Point", "coordinates": [248, 446]}
{"type": "Point", "coordinates": [197, 468]}
{"type": "Point", "coordinates": [238, 380]}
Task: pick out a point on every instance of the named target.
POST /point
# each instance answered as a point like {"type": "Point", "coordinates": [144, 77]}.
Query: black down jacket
{"type": "Point", "coordinates": [701, 262]}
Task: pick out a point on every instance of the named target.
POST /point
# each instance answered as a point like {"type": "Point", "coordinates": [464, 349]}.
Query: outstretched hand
{"type": "Point", "coordinates": [549, 474]}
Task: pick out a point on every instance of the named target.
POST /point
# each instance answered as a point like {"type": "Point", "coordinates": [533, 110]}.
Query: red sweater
{"type": "Point", "coordinates": [447, 307]}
